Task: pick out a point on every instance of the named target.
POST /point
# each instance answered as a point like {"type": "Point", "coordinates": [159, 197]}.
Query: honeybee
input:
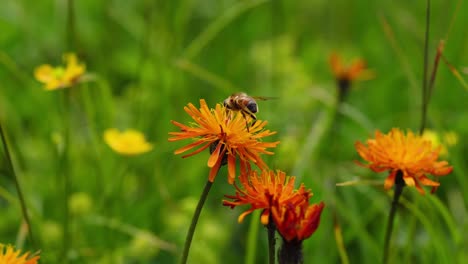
{"type": "Point", "coordinates": [245, 104]}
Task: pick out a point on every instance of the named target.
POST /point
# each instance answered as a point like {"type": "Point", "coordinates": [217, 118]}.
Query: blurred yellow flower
{"type": "Point", "coordinates": [411, 156]}
{"type": "Point", "coordinates": [80, 204]}
{"type": "Point", "coordinates": [8, 255]}
{"type": "Point", "coordinates": [61, 77]}
{"type": "Point", "coordinates": [450, 138]}
{"type": "Point", "coordinates": [129, 142]}
{"type": "Point", "coordinates": [444, 140]}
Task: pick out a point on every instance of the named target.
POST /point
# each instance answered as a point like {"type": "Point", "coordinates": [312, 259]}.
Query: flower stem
{"type": "Point", "coordinates": [64, 169]}
{"type": "Point", "coordinates": [17, 185]}
{"type": "Point", "coordinates": [425, 90]}
{"type": "Point", "coordinates": [271, 240]}
{"type": "Point", "coordinates": [399, 184]}
{"type": "Point", "coordinates": [290, 252]}
{"type": "Point", "coordinates": [252, 241]}
{"type": "Point", "coordinates": [70, 26]}
{"type": "Point", "coordinates": [196, 215]}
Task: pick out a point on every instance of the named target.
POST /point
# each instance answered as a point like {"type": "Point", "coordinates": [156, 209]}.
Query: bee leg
{"type": "Point", "coordinates": [228, 115]}
{"type": "Point", "coordinates": [254, 121]}
{"type": "Point", "coordinates": [246, 123]}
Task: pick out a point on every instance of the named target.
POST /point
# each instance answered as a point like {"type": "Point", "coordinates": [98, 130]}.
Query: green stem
{"type": "Point", "coordinates": [17, 185]}
{"type": "Point", "coordinates": [252, 241]}
{"type": "Point", "coordinates": [196, 215]}
{"type": "Point", "coordinates": [271, 240]}
{"type": "Point", "coordinates": [71, 45]}
{"type": "Point", "coordinates": [144, 55]}
{"type": "Point", "coordinates": [70, 29]}
{"type": "Point", "coordinates": [339, 239]}
{"type": "Point", "coordinates": [212, 30]}
{"type": "Point", "coordinates": [206, 76]}
{"type": "Point", "coordinates": [399, 184]}
{"type": "Point", "coordinates": [318, 130]}
{"type": "Point", "coordinates": [425, 92]}
{"type": "Point", "coordinates": [64, 170]}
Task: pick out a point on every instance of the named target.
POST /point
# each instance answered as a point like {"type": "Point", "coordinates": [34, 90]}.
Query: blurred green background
{"type": "Point", "coordinates": [151, 58]}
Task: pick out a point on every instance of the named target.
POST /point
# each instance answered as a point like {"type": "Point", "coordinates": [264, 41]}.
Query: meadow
{"type": "Point", "coordinates": [146, 60]}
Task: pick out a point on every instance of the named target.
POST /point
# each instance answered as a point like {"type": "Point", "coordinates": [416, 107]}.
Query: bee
{"type": "Point", "coordinates": [245, 104]}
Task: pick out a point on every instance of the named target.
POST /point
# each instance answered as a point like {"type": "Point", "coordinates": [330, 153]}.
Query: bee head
{"type": "Point", "coordinates": [252, 106]}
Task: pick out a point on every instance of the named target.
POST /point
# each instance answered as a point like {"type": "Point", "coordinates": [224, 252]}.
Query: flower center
{"type": "Point", "coordinates": [58, 72]}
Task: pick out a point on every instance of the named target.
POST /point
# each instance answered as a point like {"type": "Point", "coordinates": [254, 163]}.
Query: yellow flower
{"type": "Point", "coordinates": [411, 155]}
{"type": "Point", "coordinates": [227, 136]}
{"type": "Point", "coordinates": [129, 142]}
{"type": "Point", "coordinates": [60, 77]}
{"type": "Point", "coordinates": [448, 139]}
{"type": "Point", "coordinates": [8, 255]}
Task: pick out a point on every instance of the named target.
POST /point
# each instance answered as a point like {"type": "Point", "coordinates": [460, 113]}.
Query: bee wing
{"type": "Point", "coordinates": [263, 98]}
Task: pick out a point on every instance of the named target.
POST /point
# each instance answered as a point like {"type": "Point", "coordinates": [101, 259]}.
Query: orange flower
{"type": "Point", "coordinates": [8, 255]}
{"type": "Point", "coordinates": [226, 135]}
{"type": "Point", "coordinates": [353, 72]}
{"type": "Point", "coordinates": [265, 191]}
{"type": "Point", "coordinates": [346, 75]}
{"type": "Point", "coordinates": [297, 222]}
{"type": "Point", "coordinates": [411, 155]}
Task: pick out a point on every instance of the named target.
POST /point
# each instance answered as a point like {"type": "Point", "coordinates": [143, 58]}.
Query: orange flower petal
{"type": "Point", "coordinates": [231, 160]}
{"type": "Point", "coordinates": [390, 180]}
{"type": "Point", "coordinates": [264, 217]}
{"type": "Point", "coordinates": [189, 146]}
{"type": "Point", "coordinates": [215, 156]}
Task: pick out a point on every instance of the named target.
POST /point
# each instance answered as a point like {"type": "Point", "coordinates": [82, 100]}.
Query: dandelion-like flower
{"type": "Point", "coordinates": [227, 136]}
{"type": "Point", "coordinates": [129, 142]}
{"type": "Point", "coordinates": [410, 156]}
{"type": "Point", "coordinates": [61, 77]}
{"type": "Point", "coordinates": [265, 191]}
{"type": "Point", "coordinates": [8, 255]}
{"type": "Point", "coordinates": [342, 73]}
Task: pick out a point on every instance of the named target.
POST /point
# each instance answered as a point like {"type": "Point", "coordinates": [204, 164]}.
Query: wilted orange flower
{"type": "Point", "coordinates": [265, 191]}
{"type": "Point", "coordinates": [60, 77]}
{"type": "Point", "coordinates": [226, 135]}
{"type": "Point", "coordinates": [411, 155]}
{"type": "Point", "coordinates": [297, 222]}
{"type": "Point", "coordinates": [129, 142]}
{"type": "Point", "coordinates": [8, 255]}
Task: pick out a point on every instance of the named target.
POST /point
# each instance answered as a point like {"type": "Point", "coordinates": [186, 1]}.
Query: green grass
{"type": "Point", "coordinates": [151, 58]}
